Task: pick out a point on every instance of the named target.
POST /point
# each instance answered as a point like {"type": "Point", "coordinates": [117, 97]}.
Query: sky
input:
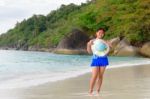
{"type": "Point", "coordinates": [13, 11]}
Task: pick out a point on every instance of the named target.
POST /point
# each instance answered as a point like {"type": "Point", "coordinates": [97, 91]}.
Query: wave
{"type": "Point", "coordinates": [31, 80]}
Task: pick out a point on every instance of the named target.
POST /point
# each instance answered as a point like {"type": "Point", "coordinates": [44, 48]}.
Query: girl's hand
{"type": "Point", "coordinates": [90, 42]}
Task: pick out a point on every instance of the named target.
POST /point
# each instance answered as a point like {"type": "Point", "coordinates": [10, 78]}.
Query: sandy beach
{"type": "Point", "coordinates": [119, 83]}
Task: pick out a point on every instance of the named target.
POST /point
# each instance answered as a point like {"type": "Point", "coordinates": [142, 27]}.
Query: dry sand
{"type": "Point", "coordinates": [119, 83]}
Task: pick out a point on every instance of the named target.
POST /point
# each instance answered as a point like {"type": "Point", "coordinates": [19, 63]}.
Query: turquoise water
{"type": "Point", "coordinates": [24, 69]}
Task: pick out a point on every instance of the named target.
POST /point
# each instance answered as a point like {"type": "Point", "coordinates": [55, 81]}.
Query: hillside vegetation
{"type": "Point", "coordinates": [125, 18]}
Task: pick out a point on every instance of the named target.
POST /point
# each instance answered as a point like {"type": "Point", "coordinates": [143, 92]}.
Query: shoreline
{"type": "Point", "coordinates": [89, 73]}
{"type": "Point", "coordinates": [68, 52]}
{"type": "Point", "coordinates": [128, 82]}
{"type": "Point", "coordinates": [118, 81]}
{"type": "Point", "coordinates": [55, 50]}
{"type": "Point", "coordinates": [40, 82]}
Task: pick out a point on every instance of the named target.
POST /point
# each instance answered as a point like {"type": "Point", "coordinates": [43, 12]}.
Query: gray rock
{"type": "Point", "coordinates": [114, 41]}
{"type": "Point", "coordinates": [75, 40]}
{"type": "Point", "coordinates": [145, 50]}
{"type": "Point", "coordinates": [125, 49]}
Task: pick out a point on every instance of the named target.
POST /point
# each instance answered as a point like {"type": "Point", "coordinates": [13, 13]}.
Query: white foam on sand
{"type": "Point", "coordinates": [38, 79]}
{"type": "Point", "coordinates": [29, 80]}
{"type": "Point", "coordinates": [144, 62]}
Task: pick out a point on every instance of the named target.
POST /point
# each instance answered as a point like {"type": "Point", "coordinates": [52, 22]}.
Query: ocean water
{"type": "Point", "coordinates": [22, 69]}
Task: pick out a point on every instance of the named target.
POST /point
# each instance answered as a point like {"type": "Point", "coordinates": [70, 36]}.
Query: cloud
{"type": "Point", "coordinates": [2, 3]}
{"type": "Point", "coordinates": [12, 11]}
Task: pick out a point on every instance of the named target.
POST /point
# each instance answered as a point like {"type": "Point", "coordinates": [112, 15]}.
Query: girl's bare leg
{"type": "Point", "coordinates": [100, 78]}
{"type": "Point", "coordinates": [95, 71]}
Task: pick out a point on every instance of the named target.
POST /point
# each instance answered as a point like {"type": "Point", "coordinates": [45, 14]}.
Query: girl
{"type": "Point", "coordinates": [99, 63]}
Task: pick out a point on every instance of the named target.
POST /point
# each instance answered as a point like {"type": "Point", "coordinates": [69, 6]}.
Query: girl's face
{"type": "Point", "coordinates": [99, 34]}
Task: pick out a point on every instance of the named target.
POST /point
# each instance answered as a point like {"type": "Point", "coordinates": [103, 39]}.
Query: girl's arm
{"type": "Point", "coordinates": [89, 50]}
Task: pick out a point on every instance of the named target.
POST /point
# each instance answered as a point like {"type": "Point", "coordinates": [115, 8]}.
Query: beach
{"type": "Point", "coordinates": [119, 83]}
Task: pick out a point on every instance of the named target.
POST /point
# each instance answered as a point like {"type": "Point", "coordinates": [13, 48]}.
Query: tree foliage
{"type": "Point", "coordinates": [128, 18]}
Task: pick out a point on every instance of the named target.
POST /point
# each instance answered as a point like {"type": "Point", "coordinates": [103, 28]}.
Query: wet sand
{"type": "Point", "coordinates": [119, 83]}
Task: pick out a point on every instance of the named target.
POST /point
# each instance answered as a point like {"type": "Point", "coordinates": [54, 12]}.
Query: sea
{"type": "Point", "coordinates": [23, 69]}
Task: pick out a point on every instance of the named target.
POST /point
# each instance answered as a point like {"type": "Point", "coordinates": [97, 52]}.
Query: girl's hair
{"type": "Point", "coordinates": [101, 29]}
{"type": "Point", "coordinates": [98, 30]}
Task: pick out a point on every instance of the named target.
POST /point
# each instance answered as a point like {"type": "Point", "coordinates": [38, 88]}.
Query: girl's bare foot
{"type": "Point", "coordinates": [90, 92]}
{"type": "Point", "coordinates": [98, 92]}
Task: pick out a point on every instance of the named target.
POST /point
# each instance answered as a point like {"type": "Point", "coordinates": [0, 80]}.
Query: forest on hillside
{"type": "Point", "coordinates": [125, 18]}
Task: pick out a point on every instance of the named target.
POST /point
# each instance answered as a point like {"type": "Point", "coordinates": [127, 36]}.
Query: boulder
{"type": "Point", "coordinates": [145, 50]}
{"type": "Point", "coordinates": [127, 51]}
{"type": "Point", "coordinates": [124, 48]}
{"type": "Point", "coordinates": [114, 42]}
{"type": "Point", "coordinates": [75, 40]}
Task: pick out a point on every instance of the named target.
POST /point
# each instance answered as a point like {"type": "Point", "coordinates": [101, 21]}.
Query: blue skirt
{"type": "Point", "coordinates": [99, 61]}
